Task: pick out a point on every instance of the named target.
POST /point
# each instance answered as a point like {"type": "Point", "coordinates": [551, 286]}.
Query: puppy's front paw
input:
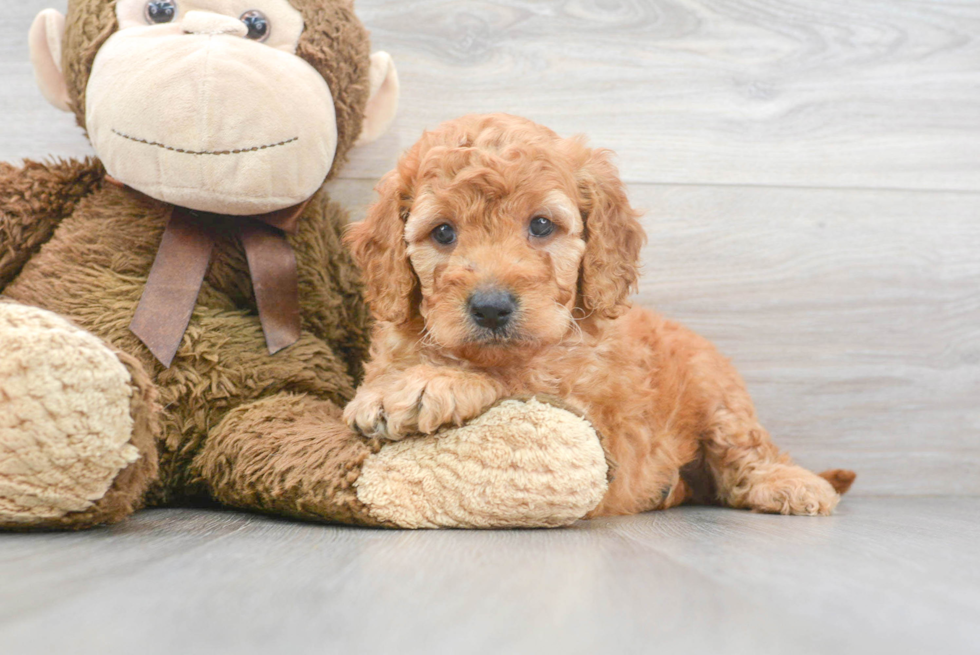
{"type": "Point", "coordinates": [365, 414]}
{"type": "Point", "coordinates": [416, 403]}
{"type": "Point", "coordinates": [452, 401]}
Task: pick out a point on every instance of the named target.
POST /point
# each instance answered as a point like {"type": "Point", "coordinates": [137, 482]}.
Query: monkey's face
{"type": "Point", "coordinates": [204, 104]}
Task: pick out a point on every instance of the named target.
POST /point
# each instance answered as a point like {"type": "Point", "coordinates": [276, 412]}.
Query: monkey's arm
{"type": "Point", "coordinates": [33, 201]}
{"type": "Point", "coordinates": [333, 305]}
{"type": "Point", "coordinates": [523, 463]}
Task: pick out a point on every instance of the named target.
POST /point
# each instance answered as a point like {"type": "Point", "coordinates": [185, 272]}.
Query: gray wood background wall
{"type": "Point", "coordinates": [810, 171]}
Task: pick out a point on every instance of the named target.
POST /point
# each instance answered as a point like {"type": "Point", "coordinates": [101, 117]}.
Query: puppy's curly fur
{"type": "Point", "coordinates": [499, 261]}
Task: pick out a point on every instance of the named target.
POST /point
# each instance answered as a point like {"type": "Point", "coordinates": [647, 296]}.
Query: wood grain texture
{"type": "Point", "coordinates": [796, 92]}
{"type": "Point", "coordinates": [885, 575]}
{"type": "Point", "coordinates": [799, 92]}
{"type": "Point", "coordinates": [853, 315]}
{"type": "Point", "coordinates": [30, 127]}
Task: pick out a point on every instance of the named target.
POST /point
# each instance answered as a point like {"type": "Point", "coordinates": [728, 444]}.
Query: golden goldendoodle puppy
{"type": "Point", "coordinates": [499, 261]}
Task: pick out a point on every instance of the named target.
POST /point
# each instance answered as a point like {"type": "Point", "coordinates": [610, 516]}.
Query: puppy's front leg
{"type": "Point", "coordinates": [420, 399]}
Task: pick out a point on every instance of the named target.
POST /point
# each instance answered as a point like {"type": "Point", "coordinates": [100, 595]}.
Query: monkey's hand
{"type": "Point", "coordinates": [33, 201]}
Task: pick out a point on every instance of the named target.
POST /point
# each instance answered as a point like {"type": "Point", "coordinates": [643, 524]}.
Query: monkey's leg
{"type": "Point", "coordinates": [77, 425]}
{"type": "Point", "coordinates": [33, 200]}
{"type": "Point", "coordinates": [520, 464]}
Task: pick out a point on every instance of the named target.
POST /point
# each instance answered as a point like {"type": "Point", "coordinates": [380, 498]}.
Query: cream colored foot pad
{"type": "Point", "coordinates": [520, 464]}
{"type": "Point", "coordinates": [65, 420]}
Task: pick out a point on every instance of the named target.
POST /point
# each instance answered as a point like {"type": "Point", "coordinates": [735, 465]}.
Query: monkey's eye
{"type": "Point", "coordinates": [257, 24]}
{"type": "Point", "coordinates": [540, 227]}
{"type": "Point", "coordinates": [160, 11]}
{"type": "Point", "coordinates": [444, 234]}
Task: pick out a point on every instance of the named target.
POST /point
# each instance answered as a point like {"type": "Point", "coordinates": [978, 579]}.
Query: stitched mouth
{"type": "Point", "coordinates": [204, 152]}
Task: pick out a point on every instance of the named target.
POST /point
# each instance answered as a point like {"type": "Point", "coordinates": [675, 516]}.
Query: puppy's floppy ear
{"type": "Point", "coordinates": [378, 246]}
{"type": "Point", "coordinates": [613, 238]}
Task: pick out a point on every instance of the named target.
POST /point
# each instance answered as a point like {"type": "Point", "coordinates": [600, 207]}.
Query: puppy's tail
{"type": "Point", "coordinates": [840, 479]}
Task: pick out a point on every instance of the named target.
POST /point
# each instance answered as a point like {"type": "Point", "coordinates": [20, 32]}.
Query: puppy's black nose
{"type": "Point", "coordinates": [492, 309]}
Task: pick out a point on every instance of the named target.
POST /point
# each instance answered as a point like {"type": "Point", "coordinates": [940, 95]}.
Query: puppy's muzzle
{"type": "Point", "coordinates": [492, 308]}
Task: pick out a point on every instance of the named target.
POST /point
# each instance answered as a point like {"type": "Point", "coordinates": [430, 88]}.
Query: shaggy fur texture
{"type": "Point", "coordinates": [34, 200]}
{"type": "Point", "coordinates": [662, 396]}
{"type": "Point", "coordinates": [93, 271]}
{"type": "Point", "coordinates": [288, 454]}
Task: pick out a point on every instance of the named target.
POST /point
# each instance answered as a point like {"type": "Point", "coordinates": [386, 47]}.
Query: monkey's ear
{"type": "Point", "coordinates": [45, 40]}
{"type": "Point", "coordinates": [383, 103]}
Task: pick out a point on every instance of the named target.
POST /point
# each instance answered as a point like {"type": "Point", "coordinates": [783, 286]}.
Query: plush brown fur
{"type": "Point", "coordinates": [82, 248]}
{"type": "Point", "coordinates": [289, 454]}
{"type": "Point", "coordinates": [345, 65]}
{"type": "Point", "coordinates": [662, 396]}
{"type": "Point", "coordinates": [34, 199]}
{"type": "Point", "coordinates": [93, 271]}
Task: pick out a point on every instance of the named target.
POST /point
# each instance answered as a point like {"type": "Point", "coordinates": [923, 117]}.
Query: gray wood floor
{"type": "Point", "coordinates": [885, 575]}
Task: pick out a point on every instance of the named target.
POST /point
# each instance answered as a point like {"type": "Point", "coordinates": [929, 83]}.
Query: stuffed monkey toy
{"type": "Point", "coordinates": [179, 319]}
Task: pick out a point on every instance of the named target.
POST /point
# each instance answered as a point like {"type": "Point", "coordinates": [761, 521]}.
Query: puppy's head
{"type": "Point", "coordinates": [495, 232]}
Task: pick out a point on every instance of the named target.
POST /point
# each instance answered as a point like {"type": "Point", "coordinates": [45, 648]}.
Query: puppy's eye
{"type": "Point", "coordinates": [540, 227]}
{"type": "Point", "coordinates": [444, 234]}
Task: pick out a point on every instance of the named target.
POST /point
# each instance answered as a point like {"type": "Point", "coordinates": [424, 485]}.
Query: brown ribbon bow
{"type": "Point", "coordinates": [178, 271]}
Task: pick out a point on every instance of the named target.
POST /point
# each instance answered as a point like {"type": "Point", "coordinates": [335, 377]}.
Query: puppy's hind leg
{"type": "Point", "coordinates": [750, 472]}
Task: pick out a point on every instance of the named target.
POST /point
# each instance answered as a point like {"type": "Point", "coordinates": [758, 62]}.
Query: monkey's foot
{"type": "Point", "coordinates": [520, 464]}
{"type": "Point", "coordinates": [75, 439]}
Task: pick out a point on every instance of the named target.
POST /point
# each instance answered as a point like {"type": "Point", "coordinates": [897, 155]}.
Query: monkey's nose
{"type": "Point", "coordinates": [212, 24]}
{"type": "Point", "coordinates": [493, 308]}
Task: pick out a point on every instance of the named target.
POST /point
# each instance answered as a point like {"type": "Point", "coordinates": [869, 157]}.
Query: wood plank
{"type": "Point", "coordinates": [802, 92]}
{"type": "Point", "coordinates": [884, 575]}
{"type": "Point", "coordinates": [853, 315]}
{"type": "Point", "coordinates": [851, 574]}
{"type": "Point", "coordinates": [39, 570]}
{"type": "Point", "coordinates": [31, 127]}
